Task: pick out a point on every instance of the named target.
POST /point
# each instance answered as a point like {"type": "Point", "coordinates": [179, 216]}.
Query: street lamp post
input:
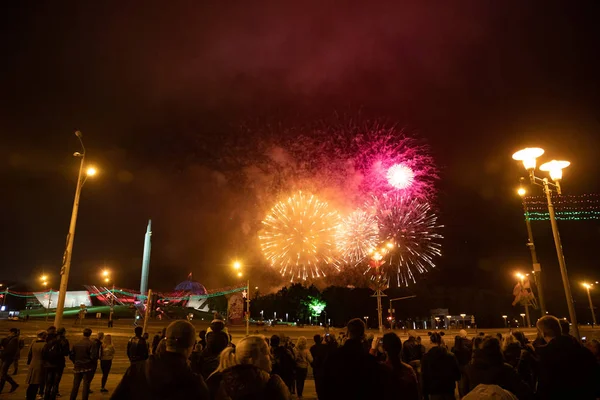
{"type": "Point", "coordinates": [237, 266]}
{"type": "Point", "coordinates": [526, 304]}
{"type": "Point", "coordinates": [107, 279]}
{"type": "Point", "coordinates": [537, 267]}
{"type": "Point", "coordinates": [587, 288]}
{"type": "Point", "coordinates": [528, 156]}
{"type": "Point", "coordinates": [523, 316]}
{"type": "Point", "coordinates": [505, 322]}
{"type": "Point", "coordinates": [66, 267]}
{"type": "Point", "coordinates": [462, 316]}
{"type": "Point", "coordinates": [44, 279]}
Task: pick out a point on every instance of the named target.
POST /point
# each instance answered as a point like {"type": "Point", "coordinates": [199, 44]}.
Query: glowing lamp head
{"type": "Point", "coordinates": [521, 191]}
{"type": "Point", "coordinates": [239, 274]}
{"type": "Point", "coordinates": [463, 315]}
{"type": "Point", "coordinates": [91, 171]}
{"type": "Point", "coordinates": [522, 315]}
{"type": "Point", "coordinates": [555, 168]}
{"type": "Point", "coordinates": [237, 265]}
{"type": "Point", "coordinates": [587, 285]}
{"type": "Point", "coordinates": [505, 316]}
{"type": "Point", "coordinates": [528, 156]}
{"type": "Point", "coordinates": [400, 176]}
{"type": "Point", "coordinates": [44, 277]}
{"type": "Point", "coordinates": [105, 273]}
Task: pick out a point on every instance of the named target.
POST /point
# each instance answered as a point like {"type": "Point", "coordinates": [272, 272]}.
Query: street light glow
{"type": "Point", "coordinates": [528, 156]}
{"type": "Point", "coordinates": [521, 191]}
{"type": "Point", "coordinates": [555, 168]}
{"type": "Point", "coordinates": [587, 285]}
{"type": "Point", "coordinates": [91, 171]}
{"type": "Point", "coordinates": [239, 274]}
{"type": "Point", "coordinates": [44, 278]}
{"type": "Point", "coordinates": [237, 265]}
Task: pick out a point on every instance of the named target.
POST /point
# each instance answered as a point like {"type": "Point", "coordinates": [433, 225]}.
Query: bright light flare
{"type": "Point", "coordinates": [298, 236]}
{"type": "Point", "coordinates": [528, 156]}
{"type": "Point", "coordinates": [237, 265]}
{"type": "Point", "coordinates": [555, 168]}
{"type": "Point", "coordinates": [521, 191]}
{"type": "Point", "coordinates": [587, 285]}
{"type": "Point", "coordinates": [400, 176]}
{"type": "Point", "coordinates": [91, 171]}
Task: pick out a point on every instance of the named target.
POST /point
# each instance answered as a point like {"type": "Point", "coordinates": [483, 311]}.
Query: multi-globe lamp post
{"type": "Point", "coordinates": [587, 287]}
{"type": "Point", "coordinates": [107, 279]}
{"type": "Point", "coordinates": [555, 168]}
{"type": "Point", "coordinates": [521, 278]}
{"type": "Point", "coordinates": [537, 268]}
{"type": "Point", "coordinates": [84, 173]}
{"type": "Point", "coordinates": [44, 279]}
{"type": "Point", "coordinates": [237, 266]}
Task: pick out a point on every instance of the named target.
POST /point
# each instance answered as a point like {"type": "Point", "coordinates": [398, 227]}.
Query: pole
{"type": "Point", "coordinates": [147, 313]}
{"type": "Point", "coordinates": [379, 310]}
{"type": "Point", "coordinates": [50, 299]}
{"type": "Point", "coordinates": [112, 307]}
{"type": "Point", "coordinates": [66, 268]}
{"type": "Point", "coordinates": [527, 315]}
{"type": "Point", "coordinates": [248, 309]}
{"type": "Point", "coordinates": [4, 298]}
{"type": "Point", "coordinates": [591, 307]}
{"type": "Point", "coordinates": [561, 261]}
{"type": "Point", "coordinates": [537, 268]}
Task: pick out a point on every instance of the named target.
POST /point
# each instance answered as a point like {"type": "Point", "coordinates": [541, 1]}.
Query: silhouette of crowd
{"type": "Point", "coordinates": [178, 364]}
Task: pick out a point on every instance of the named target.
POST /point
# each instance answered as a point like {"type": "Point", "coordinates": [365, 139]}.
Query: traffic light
{"type": "Point", "coordinates": [153, 303]}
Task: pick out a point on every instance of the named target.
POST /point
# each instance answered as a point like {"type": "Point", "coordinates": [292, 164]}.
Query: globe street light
{"type": "Point", "coordinates": [66, 264]}
{"type": "Point", "coordinates": [505, 322]}
{"type": "Point", "coordinates": [587, 287]}
{"type": "Point", "coordinates": [537, 268]}
{"type": "Point", "coordinates": [523, 316]}
{"type": "Point", "coordinates": [529, 158]}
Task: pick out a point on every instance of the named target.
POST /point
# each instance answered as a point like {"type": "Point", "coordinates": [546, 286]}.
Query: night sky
{"type": "Point", "coordinates": [155, 89]}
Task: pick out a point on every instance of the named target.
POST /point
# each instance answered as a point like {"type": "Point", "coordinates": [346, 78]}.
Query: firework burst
{"type": "Point", "coordinates": [298, 236]}
{"type": "Point", "coordinates": [356, 236]}
{"type": "Point", "coordinates": [410, 229]}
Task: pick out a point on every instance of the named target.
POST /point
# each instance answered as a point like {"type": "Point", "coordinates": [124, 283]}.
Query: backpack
{"type": "Point", "coordinates": [53, 352]}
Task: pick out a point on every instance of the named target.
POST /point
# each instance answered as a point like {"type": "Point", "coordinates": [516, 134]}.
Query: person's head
{"type": "Point", "coordinates": [180, 338]}
{"type": "Point", "coordinates": [87, 332]}
{"type": "Point", "coordinates": [392, 347]}
{"type": "Point", "coordinates": [301, 343]}
{"type": "Point", "coordinates": [250, 350]}
{"type": "Point", "coordinates": [477, 341]}
{"type": "Point", "coordinates": [520, 336]}
{"type": "Point", "coordinates": [356, 329]}
{"type": "Point", "coordinates": [202, 335]}
{"type": "Point", "coordinates": [275, 340]}
{"type": "Point", "coordinates": [462, 333]}
{"type": "Point", "coordinates": [594, 346]}
{"type": "Point", "coordinates": [41, 335]}
{"type": "Point", "coordinates": [499, 336]}
{"type": "Point", "coordinates": [318, 339]}
{"type": "Point", "coordinates": [549, 327]}
{"type": "Point", "coordinates": [412, 334]}
{"type": "Point", "coordinates": [436, 338]}
{"type": "Point", "coordinates": [51, 329]}
{"type": "Point", "coordinates": [14, 331]}
{"type": "Point", "coordinates": [457, 341]}
{"type": "Point", "coordinates": [108, 339]}
{"type": "Point", "coordinates": [565, 326]}
{"type": "Point", "coordinates": [146, 336]}
{"type": "Point", "coordinates": [509, 340]}
{"type": "Point", "coordinates": [490, 352]}
{"type": "Point", "coordinates": [100, 336]}
{"type": "Point", "coordinates": [61, 332]}
{"type": "Point", "coordinates": [216, 342]}
{"type": "Point", "coordinates": [138, 331]}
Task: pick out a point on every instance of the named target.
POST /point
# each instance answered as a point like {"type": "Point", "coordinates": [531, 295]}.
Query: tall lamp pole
{"type": "Point", "coordinates": [588, 287]}
{"type": "Point", "coordinates": [526, 304]}
{"type": "Point", "coordinates": [238, 266]}
{"type": "Point", "coordinates": [537, 267]}
{"type": "Point", "coordinates": [66, 267]}
{"type": "Point", "coordinates": [528, 156]}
